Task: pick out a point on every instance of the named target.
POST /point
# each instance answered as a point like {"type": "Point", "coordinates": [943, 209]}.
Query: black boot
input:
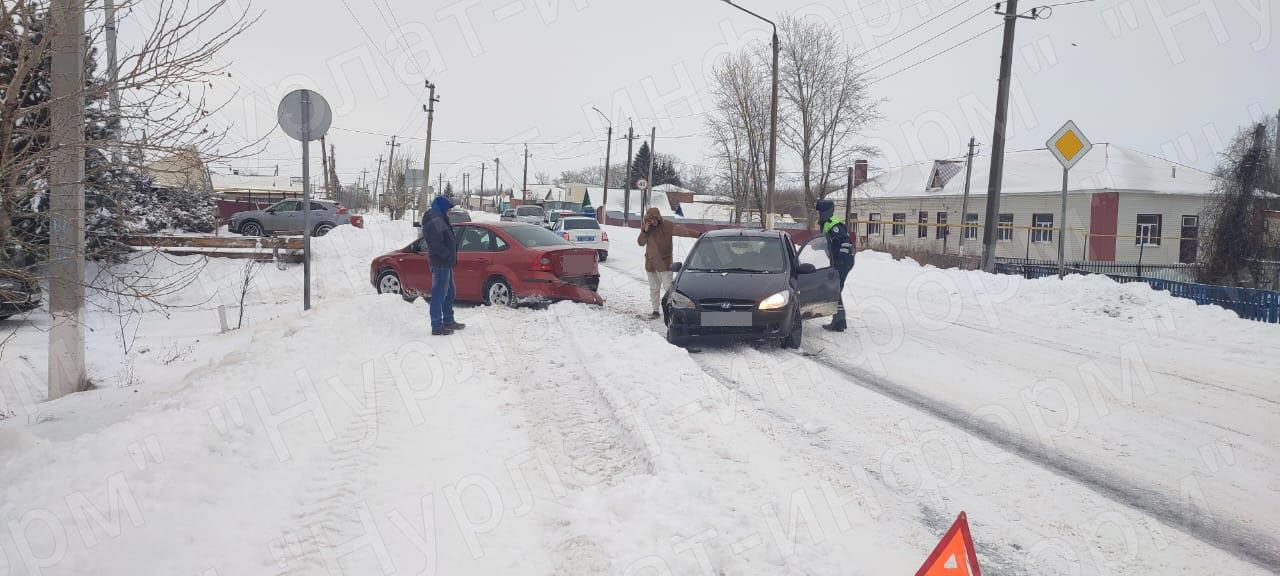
{"type": "Point", "coordinates": [837, 322]}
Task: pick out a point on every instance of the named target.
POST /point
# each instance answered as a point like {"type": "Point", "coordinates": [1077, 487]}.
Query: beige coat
{"type": "Point", "coordinates": [655, 236]}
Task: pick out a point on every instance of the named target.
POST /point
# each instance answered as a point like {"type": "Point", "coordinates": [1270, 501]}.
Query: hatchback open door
{"type": "Point", "coordinates": [819, 286]}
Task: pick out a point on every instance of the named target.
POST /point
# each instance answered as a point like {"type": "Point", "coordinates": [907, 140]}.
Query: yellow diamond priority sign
{"type": "Point", "coordinates": [1069, 145]}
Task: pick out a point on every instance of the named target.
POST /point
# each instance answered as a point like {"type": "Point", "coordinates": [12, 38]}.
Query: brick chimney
{"type": "Point", "coordinates": [859, 172]}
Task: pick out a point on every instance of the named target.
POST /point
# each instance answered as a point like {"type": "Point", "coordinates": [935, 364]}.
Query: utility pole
{"type": "Point", "coordinates": [964, 204]}
{"type": "Point", "coordinates": [495, 202]}
{"type": "Point", "coordinates": [848, 203]}
{"type": "Point", "coordinates": [653, 159]}
{"type": "Point", "coordinates": [430, 108]}
{"type": "Point", "coordinates": [113, 72]}
{"type": "Point", "coordinates": [497, 165]}
{"type": "Point", "coordinates": [391, 164]}
{"type": "Point", "coordinates": [377, 176]}
{"type": "Point", "coordinates": [324, 165]}
{"type": "Point", "coordinates": [602, 215]}
{"type": "Point", "coordinates": [990, 231]}
{"type": "Point", "coordinates": [439, 183]}
{"type": "Point", "coordinates": [626, 195]}
{"type": "Point", "coordinates": [524, 183]}
{"type": "Point", "coordinates": [66, 238]}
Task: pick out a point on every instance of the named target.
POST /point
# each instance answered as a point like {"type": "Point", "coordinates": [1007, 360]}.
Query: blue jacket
{"type": "Point", "coordinates": [437, 234]}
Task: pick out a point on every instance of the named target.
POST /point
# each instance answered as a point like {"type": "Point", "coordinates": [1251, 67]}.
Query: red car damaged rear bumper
{"type": "Point", "coordinates": [542, 288]}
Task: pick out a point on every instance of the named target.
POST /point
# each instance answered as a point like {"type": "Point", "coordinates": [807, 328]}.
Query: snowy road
{"type": "Point", "coordinates": [574, 440]}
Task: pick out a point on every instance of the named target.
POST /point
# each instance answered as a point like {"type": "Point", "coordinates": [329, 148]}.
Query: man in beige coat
{"type": "Point", "coordinates": [655, 235]}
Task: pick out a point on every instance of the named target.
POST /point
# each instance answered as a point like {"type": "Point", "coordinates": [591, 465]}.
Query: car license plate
{"type": "Point", "coordinates": [576, 264]}
{"type": "Point", "coordinates": [726, 318]}
{"type": "Point", "coordinates": [585, 239]}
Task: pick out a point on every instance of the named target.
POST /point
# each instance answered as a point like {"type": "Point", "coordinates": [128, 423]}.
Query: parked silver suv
{"type": "Point", "coordinates": [285, 217]}
{"type": "Point", "coordinates": [531, 215]}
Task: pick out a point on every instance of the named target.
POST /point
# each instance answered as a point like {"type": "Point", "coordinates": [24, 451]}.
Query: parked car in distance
{"type": "Point", "coordinates": [530, 215]}
{"type": "Point", "coordinates": [19, 292]}
{"type": "Point", "coordinates": [749, 285]}
{"type": "Point", "coordinates": [459, 216]}
{"type": "Point", "coordinates": [500, 264]}
{"type": "Point", "coordinates": [554, 216]}
{"type": "Point", "coordinates": [586, 232]}
{"type": "Point", "coordinates": [285, 217]}
{"type": "Point", "coordinates": [508, 215]}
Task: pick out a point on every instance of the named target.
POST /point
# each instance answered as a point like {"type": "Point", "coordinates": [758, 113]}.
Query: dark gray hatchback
{"type": "Point", "coordinates": [749, 285]}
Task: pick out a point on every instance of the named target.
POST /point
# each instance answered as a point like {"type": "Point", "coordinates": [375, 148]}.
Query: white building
{"type": "Point", "coordinates": [1122, 205]}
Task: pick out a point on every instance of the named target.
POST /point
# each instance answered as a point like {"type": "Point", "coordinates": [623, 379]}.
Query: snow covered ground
{"type": "Point", "coordinates": [1085, 427]}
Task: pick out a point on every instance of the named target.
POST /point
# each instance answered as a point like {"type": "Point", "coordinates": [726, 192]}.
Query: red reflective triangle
{"type": "Point", "coordinates": [954, 555]}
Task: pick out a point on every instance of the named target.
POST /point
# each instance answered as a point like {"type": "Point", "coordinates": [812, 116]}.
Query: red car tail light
{"type": "Point", "coordinates": [542, 264]}
{"type": "Point", "coordinates": [564, 235]}
{"type": "Point", "coordinates": [342, 209]}
{"type": "Point", "coordinates": [604, 236]}
{"type": "Point", "coordinates": [357, 221]}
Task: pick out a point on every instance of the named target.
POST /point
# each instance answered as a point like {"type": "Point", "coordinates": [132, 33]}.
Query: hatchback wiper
{"type": "Point", "coordinates": [744, 270]}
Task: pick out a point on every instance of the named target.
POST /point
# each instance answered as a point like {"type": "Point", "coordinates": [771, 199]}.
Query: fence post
{"type": "Point", "coordinates": [1084, 252]}
{"type": "Point", "coordinates": [1142, 249]}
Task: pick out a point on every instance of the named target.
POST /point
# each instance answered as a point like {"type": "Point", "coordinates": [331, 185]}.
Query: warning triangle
{"type": "Point", "coordinates": [954, 555]}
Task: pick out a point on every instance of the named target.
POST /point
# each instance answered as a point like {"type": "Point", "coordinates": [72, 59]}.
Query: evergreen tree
{"type": "Point", "coordinates": [119, 197]}
{"type": "Point", "coordinates": [664, 171]}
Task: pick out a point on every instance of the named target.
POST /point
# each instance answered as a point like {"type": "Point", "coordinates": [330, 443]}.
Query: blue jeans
{"type": "Point", "coordinates": [442, 293]}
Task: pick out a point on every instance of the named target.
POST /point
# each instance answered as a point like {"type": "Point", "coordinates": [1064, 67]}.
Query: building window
{"type": "Point", "coordinates": [873, 225]}
{"type": "Point", "coordinates": [1148, 233]}
{"type": "Point", "coordinates": [899, 224]}
{"type": "Point", "coordinates": [922, 228]}
{"type": "Point", "coordinates": [971, 225]}
{"type": "Point", "coordinates": [1004, 233]}
{"type": "Point", "coordinates": [1041, 228]}
{"type": "Point", "coordinates": [942, 232]}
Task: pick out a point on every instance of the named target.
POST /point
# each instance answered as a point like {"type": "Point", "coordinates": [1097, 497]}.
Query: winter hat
{"type": "Point", "coordinates": [825, 208]}
{"type": "Point", "coordinates": [441, 204]}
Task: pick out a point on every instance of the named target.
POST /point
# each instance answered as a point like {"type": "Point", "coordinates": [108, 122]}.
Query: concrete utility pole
{"type": "Point", "coordinates": [66, 210]}
{"type": "Point", "coordinates": [848, 203]}
{"type": "Point", "coordinates": [964, 204]}
{"type": "Point", "coordinates": [495, 202]}
{"type": "Point", "coordinates": [430, 108]}
{"type": "Point", "coordinates": [525, 179]}
{"type": "Point", "coordinates": [377, 176]}
{"type": "Point", "coordinates": [653, 159]}
{"type": "Point", "coordinates": [391, 164]}
{"type": "Point", "coordinates": [608, 146]}
{"type": "Point", "coordinates": [626, 195]}
{"type": "Point", "coordinates": [113, 71]}
{"type": "Point", "coordinates": [990, 231]}
{"type": "Point", "coordinates": [497, 165]}
{"type": "Point", "coordinates": [324, 165]}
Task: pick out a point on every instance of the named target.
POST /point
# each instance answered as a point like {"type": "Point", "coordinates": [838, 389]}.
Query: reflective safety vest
{"type": "Point", "coordinates": [826, 226]}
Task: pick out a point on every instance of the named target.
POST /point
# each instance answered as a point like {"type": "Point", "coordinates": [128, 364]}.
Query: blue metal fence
{"type": "Point", "coordinates": [1248, 303]}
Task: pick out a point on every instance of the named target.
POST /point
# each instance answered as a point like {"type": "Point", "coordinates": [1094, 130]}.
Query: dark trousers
{"type": "Point", "coordinates": [442, 293]}
{"type": "Point", "coordinates": [838, 320]}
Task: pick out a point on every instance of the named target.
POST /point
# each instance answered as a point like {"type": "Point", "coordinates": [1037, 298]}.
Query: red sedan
{"type": "Point", "coordinates": [499, 263]}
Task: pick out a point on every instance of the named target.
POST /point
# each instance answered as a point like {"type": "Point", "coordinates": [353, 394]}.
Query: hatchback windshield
{"type": "Point", "coordinates": [737, 254]}
{"type": "Point", "coordinates": [529, 211]}
{"type": "Point", "coordinates": [581, 224]}
{"type": "Point", "coordinates": [535, 236]}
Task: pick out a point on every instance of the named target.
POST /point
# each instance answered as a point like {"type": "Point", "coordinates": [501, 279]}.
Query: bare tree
{"type": "Point", "coordinates": [247, 276]}
{"type": "Point", "coordinates": [1237, 238]}
{"type": "Point", "coordinates": [740, 122]}
{"type": "Point", "coordinates": [827, 103]}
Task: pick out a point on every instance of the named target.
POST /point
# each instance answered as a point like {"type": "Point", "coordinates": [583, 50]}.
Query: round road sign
{"type": "Point", "coordinates": [642, 184]}
{"type": "Point", "coordinates": [291, 117]}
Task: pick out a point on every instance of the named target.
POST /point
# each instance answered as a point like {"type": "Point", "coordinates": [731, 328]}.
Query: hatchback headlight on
{"type": "Point", "coordinates": [679, 300]}
{"type": "Point", "coordinates": [779, 300]}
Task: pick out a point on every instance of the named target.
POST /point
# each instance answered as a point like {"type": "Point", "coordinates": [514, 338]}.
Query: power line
{"type": "Point", "coordinates": [399, 39]}
{"type": "Point", "coordinates": [930, 39]}
{"type": "Point", "coordinates": [936, 54]}
{"type": "Point", "coordinates": [911, 29]}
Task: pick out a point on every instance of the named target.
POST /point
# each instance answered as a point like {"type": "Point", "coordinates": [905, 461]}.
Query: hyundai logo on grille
{"type": "Point", "coordinates": [726, 305]}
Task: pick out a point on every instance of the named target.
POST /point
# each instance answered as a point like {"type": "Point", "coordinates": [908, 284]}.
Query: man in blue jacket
{"type": "Point", "coordinates": [840, 251]}
{"type": "Point", "coordinates": [442, 254]}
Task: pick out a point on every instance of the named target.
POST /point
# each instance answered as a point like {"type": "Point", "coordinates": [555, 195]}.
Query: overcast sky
{"type": "Point", "coordinates": [1175, 78]}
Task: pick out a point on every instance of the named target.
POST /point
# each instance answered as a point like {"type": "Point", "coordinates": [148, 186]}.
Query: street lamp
{"type": "Point", "coordinates": [767, 217]}
{"type": "Point", "coordinates": [608, 146]}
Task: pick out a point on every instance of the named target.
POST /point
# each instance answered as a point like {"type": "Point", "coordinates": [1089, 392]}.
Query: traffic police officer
{"type": "Point", "coordinates": [839, 250]}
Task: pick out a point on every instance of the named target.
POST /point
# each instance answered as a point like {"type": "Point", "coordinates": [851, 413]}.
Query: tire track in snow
{"type": "Point", "coordinates": [1230, 537]}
